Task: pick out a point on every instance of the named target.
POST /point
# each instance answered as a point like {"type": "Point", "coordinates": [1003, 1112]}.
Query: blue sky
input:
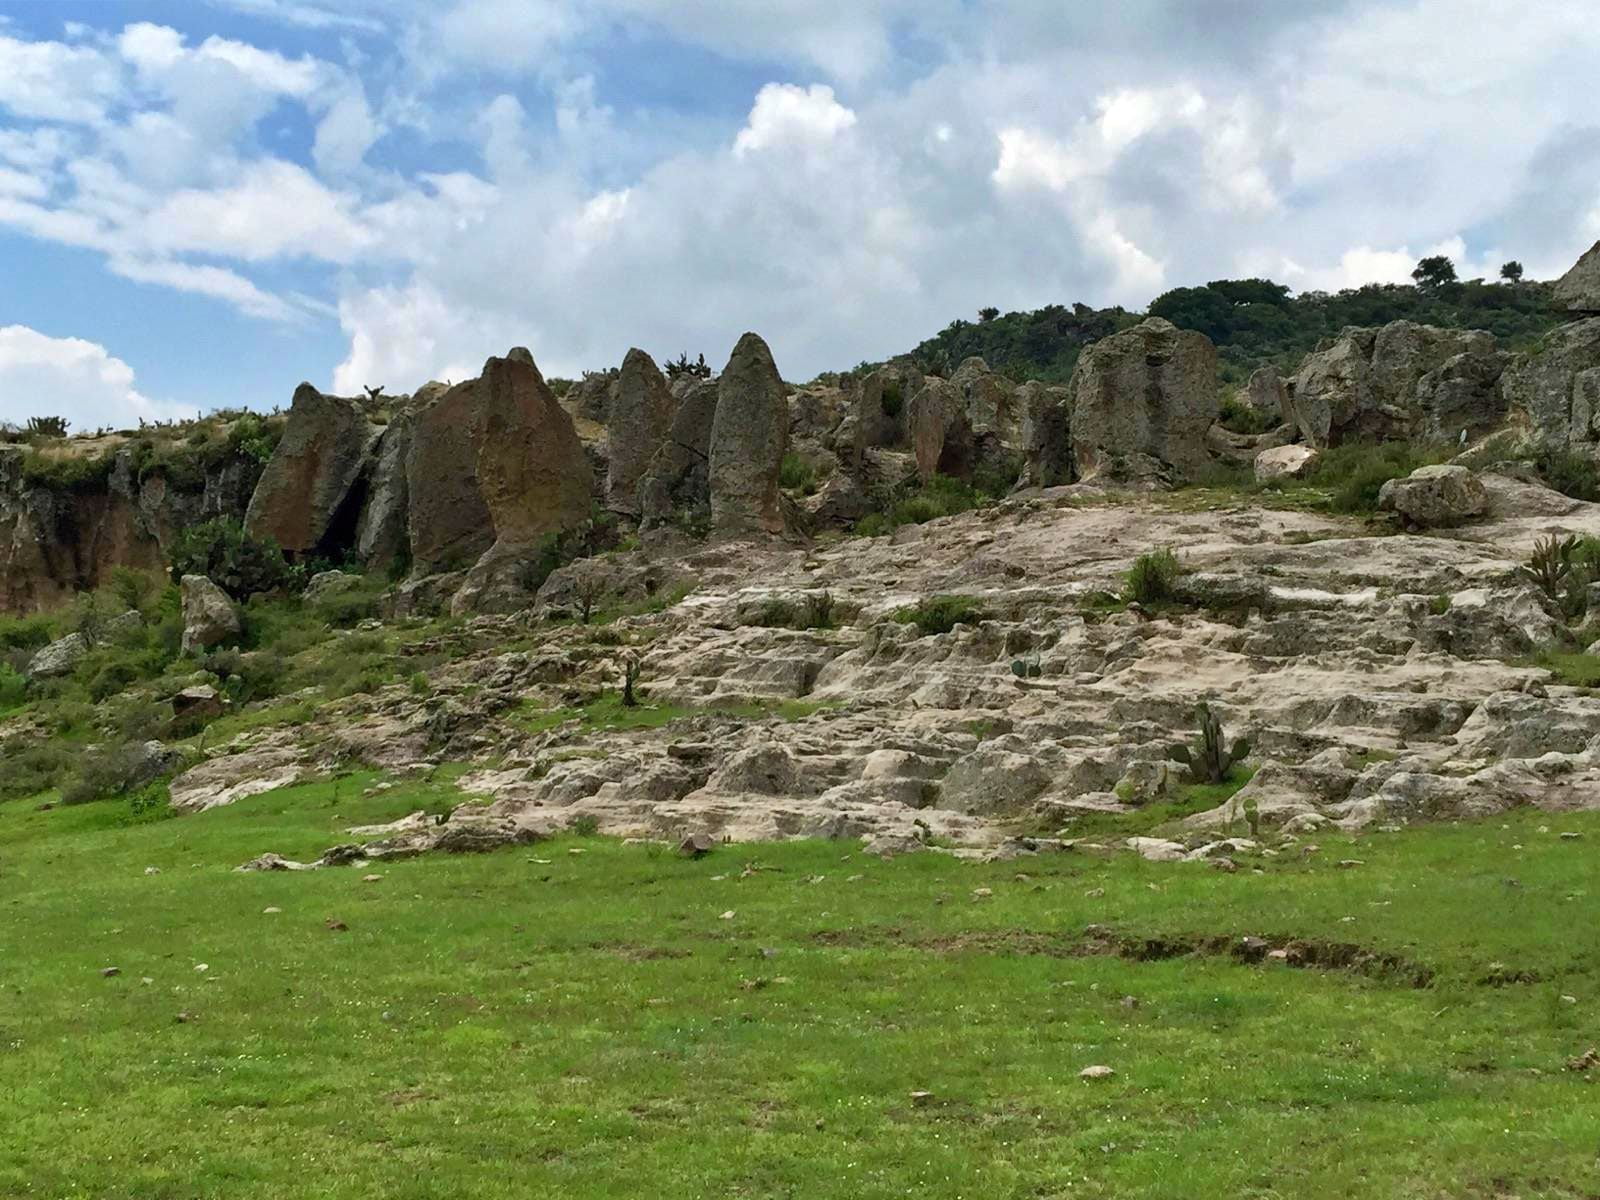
{"type": "Point", "coordinates": [204, 202]}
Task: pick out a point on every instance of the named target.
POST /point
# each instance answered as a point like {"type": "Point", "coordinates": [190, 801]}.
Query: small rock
{"type": "Point", "coordinates": [921, 1099]}
{"type": "Point", "coordinates": [335, 925]}
{"type": "Point", "coordinates": [202, 967]}
{"type": "Point", "coordinates": [1585, 1061]}
{"type": "Point", "coordinates": [1129, 1002]}
{"type": "Point", "coordinates": [727, 916]}
{"type": "Point", "coordinates": [1569, 835]}
{"type": "Point", "coordinates": [982, 893]}
{"type": "Point", "coordinates": [1345, 864]}
{"type": "Point", "coordinates": [183, 1018]}
{"type": "Point", "coordinates": [108, 972]}
{"type": "Point", "coordinates": [271, 908]}
{"type": "Point", "coordinates": [1098, 1071]}
{"type": "Point", "coordinates": [371, 878]}
{"type": "Point", "coordinates": [697, 845]}
{"type": "Point", "coordinates": [152, 870]}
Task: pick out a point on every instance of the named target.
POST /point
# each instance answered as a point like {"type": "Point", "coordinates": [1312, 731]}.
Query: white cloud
{"type": "Point", "coordinates": [52, 81]}
{"type": "Point", "coordinates": [69, 377]}
{"type": "Point", "coordinates": [785, 115]}
{"type": "Point", "coordinates": [345, 134]}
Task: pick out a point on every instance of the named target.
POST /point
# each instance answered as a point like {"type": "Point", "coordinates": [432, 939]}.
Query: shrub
{"type": "Point", "coordinates": [239, 564]}
{"type": "Point", "coordinates": [893, 399]}
{"type": "Point", "coordinates": [1570, 473]}
{"type": "Point", "coordinates": [46, 427]}
{"type": "Point", "coordinates": [797, 473]}
{"type": "Point", "coordinates": [1239, 417]}
{"type": "Point", "coordinates": [32, 766]}
{"type": "Point", "coordinates": [106, 771]}
{"type": "Point", "coordinates": [1153, 578]}
{"type": "Point", "coordinates": [13, 687]}
{"type": "Point", "coordinates": [25, 633]}
{"type": "Point", "coordinates": [941, 614]}
{"type": "Point", "coordinates": [1354, 473]}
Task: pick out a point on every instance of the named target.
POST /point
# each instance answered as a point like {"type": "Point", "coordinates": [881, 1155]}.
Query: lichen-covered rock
{"type": "Point", "coordinates": [640, 420]}
{"type": "Point", "coordinates": [312, 471]}
{"type": "Point", "coordinates": [749, 435]}
{"type": "Point", "coordinates": [1555, 393]}
{"type": "Point", "coordinates": [1578, 291]}
{"type": "Point", "coordinates": [1143, 400]}
{"type": "Point", "coordinates": [1435, 496]}
{"type": "Point", "coordinates": [59, 658]}
{"type": "Point", "coordinates": [1266, 395]}
{"type": "Point", "coordinates": [209, 616]}
{"type": "Point", "coordinates": [677, 481]}
{"type": "Point", "coordinates": [1286, 462]}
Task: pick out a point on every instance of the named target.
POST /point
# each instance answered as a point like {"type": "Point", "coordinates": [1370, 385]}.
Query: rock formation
{"type": "Point", "coordinates": [1433, 497]}
{"type": "Point", "coordinates": [1045, 434]}
{"type": "Point", "coordinates": [1578, 291]}
{"type": "Point", "coordinates": [677, 480]}
{"type": "Point", "coordinates": [381, 532]}
{"type": "Point", "coordinates": [1555, 393]}
{"type": "Point", "coordinates": [209, 617]}
{"type": "Point", "coordinates": [1266, 394]}
{"type": "Point", "coordinates": [312, 472]}
{"type": "Point", "coordinates": [748, 437]}
{"type": "Point", "coordinates": [447, 521]}
{"type": "Point", "coordinates": [641, 413]}
{"type": "Point", "coordinates": [941, 437]}
{"type": "Point", "coordinates": [1143, 400]}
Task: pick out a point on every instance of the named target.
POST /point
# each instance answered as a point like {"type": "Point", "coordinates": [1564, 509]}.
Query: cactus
{"type": "Point", "coordinates": [1026, 668]}
{"type": "Point", "coordinates": [1210, 759]}
{"type": "Point", "coordinates": [632, 667]}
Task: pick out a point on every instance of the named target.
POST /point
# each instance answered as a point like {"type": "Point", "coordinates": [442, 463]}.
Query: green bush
{"type": "Point", "coordinates": [797, 473]}
{"type": "Point", "coordinates": [941, 614]}
{"type": "Point", "coordinates": [105, 771]}
{"type": "Point", "coordinates": [941, 496]}
{"type": "Point", "coordinates": [32, 766]}
{"type": "Point", "coordinates": [239, 564]}
{"type": "Point", "coordinates": [1570, 473]}
{"type": "Point", "coordinates": [1153, 578]}
{"type": "Point", "coordinates": [893, 400]}
{"type": "Point", "coordinates": [1355, 473]}
{"type": "Point", "coordinates": [13, 688]}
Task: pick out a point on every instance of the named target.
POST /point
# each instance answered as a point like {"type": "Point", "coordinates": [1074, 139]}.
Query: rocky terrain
{"type": "Point", "coordinates": [817, 652]}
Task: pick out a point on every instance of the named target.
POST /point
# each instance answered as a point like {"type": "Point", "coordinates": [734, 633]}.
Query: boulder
{"type": "Point", "coordinates": [1578, 291]}
{"type": "Point", "coordinates": [312, 472]}
{"type": "Point", "coordinates": [447, 521]}
{"type": "Point", "coordinates": [59, 658]}
{"type": "Point", "coordinates": [1142, 402]}
{"type": "Point", "coordinates": [990, 402]}
{"type": "Point", "coordinates": [1404, 380]}
{"type": "Point", "coordinates": [330, 583]}
{"type": "Point", "coordinates": [534, 476]}
{"type": "Point", "coordinates": [1046, 434]}
{"type": "Point", "coordinates": [1286, 462]}
{"type": "Point", "coordinates": [749, 435]}
{"type": "Point", "coordinates": [381, 532]}
{"type": "Point", "coordinates": [198, 702]}
{"type": "Point", "coordinates": [1555, 394]}
{"type": "Point", "coordinates": [677, 479]}
{"type": "Point", "coordinates": [209, 616]}
{"type": "Point", "coordinates": [641, 415]}
{"type": "Point", "coordinates": [1435, 496]}
{"type": "Point", "coordinates": [1266, 395]}
{"type": "Point", "coordinates": [941, 438]}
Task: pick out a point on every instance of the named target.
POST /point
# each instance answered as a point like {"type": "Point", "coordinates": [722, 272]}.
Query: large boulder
{"type": "Point", "coordinates": [1555, 394]}
{"type": "Point", "coordinates": [209, 616]}
{"type": "Point", "coordinates": [1142, 402]}
{"type": "Point", "coordinates": [1266, 395]}
{"type": "Point", "coordinates": [640, 421]}
{"type": "Point", "coordinates": [312, 472]}
{"type": "Point", "coordinates": [534, 475]}
{"type": "Point", "coordinates": [1432, 497]}
{"type": "Point", "coordinates": [59, 658]}
{"type": "Point", "coordinates": [1046, 434]}
{"type": "Point", "coordinates": [749, 435]}
{"type": "Point", "coordinates": [381, 532]}
{"type": "Point", "coordinates": [941, 438]}
{"type": "Point", "coordinates": [1578, 291]}
{"type": "Point", "coordinates": [447, 521]}
{"type": "Point", "coordinates": [1404, 380]}
{"type": "Point", "coordinates": [1286, 462]}
{"type": "Point", "coordinates": [676, 484]}
{"type": "Point", "coordinates": [592, 396]}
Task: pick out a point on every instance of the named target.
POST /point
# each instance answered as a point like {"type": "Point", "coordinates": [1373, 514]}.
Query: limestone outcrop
{"type": "Point", "coordinates": [749, 435]}
{"type": "Point", "coordinates": [310, 477]}
{"type": "Point", "coordinates": [676, 484]}
{"type": "Point", "coordinates": [640, 422]}
{"type": "Point", "coordinates": [1142, 402]}
{"type": "Point", "coordinates": [1433, 497]}
{"type": "Point", "coordinates": [1555, 393]}
{"type": "Point", "coordinates": [1578, 291]}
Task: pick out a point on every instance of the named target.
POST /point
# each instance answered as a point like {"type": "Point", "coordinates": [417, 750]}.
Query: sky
{"type": "Point", "coordinates": [203, 202]}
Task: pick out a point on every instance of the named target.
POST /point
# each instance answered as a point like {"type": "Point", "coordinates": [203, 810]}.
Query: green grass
{"type": "Point", "coordinates": [540, 1023]}
{"type": "Point", "coordinates": [1571, 667]}
{"type": "Point", "coordinates": [941, 614]}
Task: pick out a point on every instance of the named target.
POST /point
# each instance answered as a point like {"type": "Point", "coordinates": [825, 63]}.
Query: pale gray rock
{"type": "Point", "coordinates": [1555, 393]}
{"type": "Point", "coordinates": [1578, 291]}
{"type": "Point", "coordinates": [749, 435]}
{"type": "Point", "coordinates": [1431, 497]}
{"type": "Point", "coordinates": [941, 438]}
{"type": "Point", "coordinates": [1143, 400]}
{"type": "Point", "coordinates": [59, 658]}
{"type": "Point", "coordinates": [210, 618]}
{"type": "Point", "coordinates": [381, 531]}
{"type": "Point", "coordinates": [1286, 462]}
{"type": "Point", "coordinates": [640, 422]}
{"type": "Point", "coordinates": [676, 484]}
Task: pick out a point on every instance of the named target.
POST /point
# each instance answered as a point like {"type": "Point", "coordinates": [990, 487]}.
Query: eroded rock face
{"type": "Point", "coordinates": [381, 534]}
{"type": "Point", "coordinates": [749, 434]}
{"type": "Point", "coordinates": [677, 481]}
{"type": "Point", "coordinates": [1578, 291]}
{"type": "Point", "coordinates": [1266, 395]}
{"type": "Point", "coordinates": [1046, 434]}
{"type": "Point", "coordinates": [1555, 393]}
{"type": "Point", "coordinates": [641, 413]}
{"type": "Point", "coordinates": [1402, 381]}
{"type": "Point", "coordinates": [1143, 400]}
{"type": "Point", "coordinates": [1435, 496]}
{"type": "Point", "coordinates": [941, 437]}
{"type": "Point", "coordinates": [311, 473]}
{"type": "Point", "coordinates": [59, 658]}
{"type": "Point", "coordinates": [209, 616]}
{"type": "Point", "coordinates": [447, 520]}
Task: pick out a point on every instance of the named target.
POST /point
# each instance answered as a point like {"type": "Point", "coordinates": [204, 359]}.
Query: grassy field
{"type": "Point", "coordinates": [585, 1018]}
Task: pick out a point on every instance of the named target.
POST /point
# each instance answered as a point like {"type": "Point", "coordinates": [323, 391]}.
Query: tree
{"type": "Point", "coordinates": [1434, 272]}
{"type": "Point", "coordinates": [985, 315]}
{"type": "Point", "coordinates": [1511, 272]}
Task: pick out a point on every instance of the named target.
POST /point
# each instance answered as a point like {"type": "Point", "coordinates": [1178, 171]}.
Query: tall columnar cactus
{"type": "Point", "coordinates": [1210, 759]}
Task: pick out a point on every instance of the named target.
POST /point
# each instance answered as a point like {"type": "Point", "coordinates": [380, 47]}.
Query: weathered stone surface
{"type": "Point", "coordinates": [311, 473]}
{"type": "Point", "coordinates": [749, 434]}
{"type": "Point", "coordinates": [534, 476]}
{"type": "Point", "coordinates": [1045, 434]}
{"type": "Point", "coordinates": [1266, 395]}
{"type": "Point", "coordinates": [1578, 291]}
{"type": "Point", "coordinates": [325, 584]}
{"type": "Point", "coordinates": [1404, 380]}
{"type": "Point", "coordinates": [1286, 462]}
{"type": "Point", "coordinates": [941, 438]}
{"type": "Point", "coordinates": [447, 520]}
{"type": "Point", "coordinates": [381, 531]}
{"type": "Point", "coordinates": [592, 396]}
{"type": "Point", "coordinates": [59, 658]}
{"type": "Point", "coordinates": [1435, 496]}
{"type": "Point", "coordinates": [200, 701]}
{"type": "Point", "coordinates": [1555, 393]}
{"type": "Point", "coordinates": [1142, 402]}
{"type": "Point", "coordinates": [209, 616]}
{"type": "Point", "coordinates": [640, 422]}
{"type": "Point", "coordinates": [677, 479]}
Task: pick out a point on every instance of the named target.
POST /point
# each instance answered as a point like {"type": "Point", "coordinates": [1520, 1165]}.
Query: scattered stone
{"type": "Point", "coordinates": [1589, 1059]}
{"type": "Point", "coordinates": [271, 908]}
{"type": "Point", "coordinates": [152, 870]}
{"type": "Point", "coordinates": [371, 878]}
{"type": "Point", "coordinates": [335, 925]}
{"type": "Point", "coordinates": [1098, 1071]}
{"type": "Point", "coordinates": [59, 658]}
{"type": "Point", "coordinates": [1346, 863]}
{"type": "Point", "coordinates": [697, 845]}
{"type": "Point", "coordinates": [200, 702]}
{"type": "Point", "coordinates": [727, 916]}
{"type": "Point", "coordinates": [108, 972]}
{"type": "Point", "coordinates": [921, 1099]}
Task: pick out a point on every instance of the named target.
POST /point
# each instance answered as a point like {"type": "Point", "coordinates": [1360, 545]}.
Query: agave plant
{"type": "Point", "coordinates": [1210, 759]}
{"type": "Point", "coordinates": [1551, 564]}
